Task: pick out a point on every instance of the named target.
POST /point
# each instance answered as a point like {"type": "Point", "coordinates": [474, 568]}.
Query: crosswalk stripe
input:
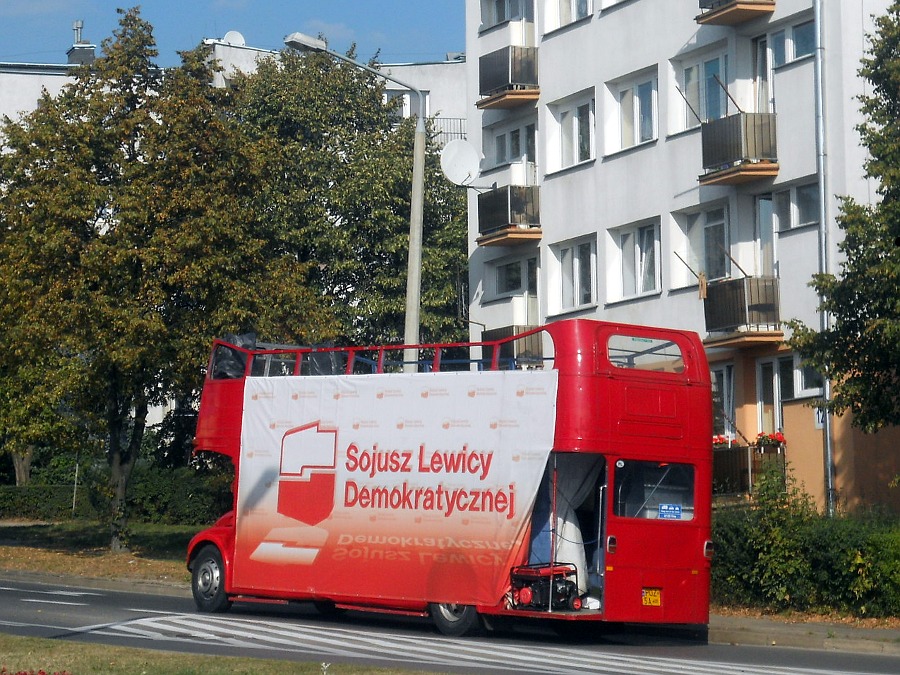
{"type": "Point", "coordinates": [492, 656]}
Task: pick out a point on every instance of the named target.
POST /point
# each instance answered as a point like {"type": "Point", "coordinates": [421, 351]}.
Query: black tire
{"type": "Point", "coordinates": [328, 609]}
{"type": "Point", "coordinates": [208, 581]}
{"type": "Point", "coordinates": [453, 620]}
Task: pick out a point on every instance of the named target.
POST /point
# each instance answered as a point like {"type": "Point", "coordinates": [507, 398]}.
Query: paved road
{"type": "Point", "coordinates": [164, 620]}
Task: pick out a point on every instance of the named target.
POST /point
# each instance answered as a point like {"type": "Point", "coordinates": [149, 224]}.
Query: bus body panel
{"type": "Point", "coordinates": [313, 512]}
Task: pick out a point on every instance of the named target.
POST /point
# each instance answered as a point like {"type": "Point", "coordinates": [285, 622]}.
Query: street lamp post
{"type": "Point", "coordinates": [302, 42]}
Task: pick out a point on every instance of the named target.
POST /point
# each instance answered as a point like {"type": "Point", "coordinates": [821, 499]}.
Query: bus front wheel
{"type": "Point", "coordinates": [452, 619]}
{"type": "Point", "coordinates": [208, 581]}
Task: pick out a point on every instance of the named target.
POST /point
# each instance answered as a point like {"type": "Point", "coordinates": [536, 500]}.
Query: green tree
{"type": "Point", "coordinates": [860, 350]}
{"type": "Point", "coordinates": [336, 181]}
{"type": "Point", "coordinates": [130, 237]}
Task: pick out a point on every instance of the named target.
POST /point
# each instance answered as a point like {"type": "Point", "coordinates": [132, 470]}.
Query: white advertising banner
{"type": "Point", "coordinates": [400, 486]}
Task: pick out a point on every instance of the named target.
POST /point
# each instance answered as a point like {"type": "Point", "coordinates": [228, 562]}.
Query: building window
{"type": "Point", "coordinates": [577, 264]}
{"type": "Point", "coordinates": [576, 133]}
{"type": "Point", "coordinates": [495, 12]}
{"type": "Point", "coordinates": [774, 385]}
{"type": "Point", "coordinates": [637, 112]}
{"type": "Point", "coordinates": [563, 12]}
{"type": "Point", "coordinates": [512, 278]}
{"type": "Point", "coordinates": [707, 243]}
{"type": "Point", "coordinates": [723, 400]}
{"type": "Point", "coordinates": [809, 381]}
{"type": "Point", "coordinates": [511, 145]}
{"type": "Point", "coordinates": [796, 207]}
{"type": "Point", "coordinates": [792, 43]}
{"type": "Point", "coordinates": [703, 88]}
{"type": "Point", "coordinates": [638, 251]}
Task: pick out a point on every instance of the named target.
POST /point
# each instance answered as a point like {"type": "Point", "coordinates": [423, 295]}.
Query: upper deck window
{"type": "Point", "coordinates": [643, 353]}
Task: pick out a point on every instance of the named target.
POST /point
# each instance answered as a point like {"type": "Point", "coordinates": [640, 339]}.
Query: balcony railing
{"type": "Point", "coordinates": [746, 304]}
{"type": "Point", "coordinates": [738, 148]}
{"type": "Point", "coordinates": [448, 129]}
{"type": "Point", "coordinates": [732, 12]}
{"type": "Point", "coordinates": [509, 214]}
{"type": "Point", "coordinates": [508, 77]}
{"type": "Point", "coordinates": [526, 352]}
{"type": "Point", "coordinates": [737, 468]}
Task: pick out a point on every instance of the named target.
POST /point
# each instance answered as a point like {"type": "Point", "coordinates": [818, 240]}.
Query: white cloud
{"type": "Point", "coordinates": [333, 32]}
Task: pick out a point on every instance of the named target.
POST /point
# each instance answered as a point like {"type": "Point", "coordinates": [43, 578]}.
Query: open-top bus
{"type": "Point", "coordinates": [561, 473]}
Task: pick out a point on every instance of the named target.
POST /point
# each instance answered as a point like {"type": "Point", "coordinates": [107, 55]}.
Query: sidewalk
{"type": "Point", "coordinates": [805, 635]}
{"type": "Point", "coordinates": [735, 630]}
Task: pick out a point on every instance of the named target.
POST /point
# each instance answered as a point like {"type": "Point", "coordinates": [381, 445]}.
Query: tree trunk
{"type": "Point", "coordinates": [22, 465]}
{"type": "Point", "coordinates": [122, 457]}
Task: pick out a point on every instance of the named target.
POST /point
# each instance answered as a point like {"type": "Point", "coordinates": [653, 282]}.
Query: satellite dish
{"type": "Point", "coordinates": [460, 162]}
{"type": "Point", "coordinates": [232, 37]}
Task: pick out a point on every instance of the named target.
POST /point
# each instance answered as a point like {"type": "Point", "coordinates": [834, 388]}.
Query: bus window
{"type": "Point", "coordinates": [654, 490]}
{"type": "Point", "coordinates": [643, 353]}
{"type": "Point", "coordinates": [273, 365]}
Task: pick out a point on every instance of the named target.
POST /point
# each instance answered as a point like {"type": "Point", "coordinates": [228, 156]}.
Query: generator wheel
{"type": "Point", "coordinates": [208, 581]}
{"type": "Point", "coordinates": [452, 619]}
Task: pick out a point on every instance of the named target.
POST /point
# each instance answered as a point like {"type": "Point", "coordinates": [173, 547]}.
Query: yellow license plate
{"type": "Point", "coordinates": [651, 597]}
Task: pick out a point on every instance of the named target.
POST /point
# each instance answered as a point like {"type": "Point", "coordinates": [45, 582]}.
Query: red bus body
{"type": "Point", "coordinates": [591, 504]}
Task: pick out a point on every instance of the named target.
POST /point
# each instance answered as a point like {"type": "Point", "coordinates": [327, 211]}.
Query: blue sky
{"type": "Point", "coordinates": [40, 31]}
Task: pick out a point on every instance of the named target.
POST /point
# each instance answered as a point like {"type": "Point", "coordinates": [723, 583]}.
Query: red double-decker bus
{"type": "Point", "coordinates": [561, 473]}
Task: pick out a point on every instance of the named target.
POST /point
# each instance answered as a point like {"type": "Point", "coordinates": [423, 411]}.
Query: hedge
{"type": "Point", "coordinates": [778, 553]}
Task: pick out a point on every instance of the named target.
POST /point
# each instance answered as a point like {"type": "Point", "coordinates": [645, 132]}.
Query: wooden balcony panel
{"type": "Point", "coordinates": [511, 98]}
{"type": "Point", "coordinates": [512, 235]}
{"type": "Point", "coordinates": [735, 12]}
{"type": "Point", "coordinates": [741, 173]}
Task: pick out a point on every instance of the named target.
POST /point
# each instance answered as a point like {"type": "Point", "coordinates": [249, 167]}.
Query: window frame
{"type": "Point", "coordinates": [631, 263]}
{"type": "Point", "coordinates": [786, 206]}
{"type": "Point", "coordinates": [498, 145]}
{"type": "Point", "coordinates": [573, 295]}
{"type": "Point", "coordinates": [722, 376]}
{"type": "Point", "coordinates": [696, 228]}
{"type": "Point", "coordinates": [698, 105]}
{"type": "Point", "coordinates": [633, 134]}
{"type": "Point", "coordinates": [783, 43]}
{"type": "Point", "coordinates": [513, 10]}
{"type": "Point", "coordinates": [562, 13]}
{"type": "Point", "coordinates": [781, 386]}
{"type": "Point", "coordinates": [567, 135]}
{"type": "Point", "coordinates": [527, 281]}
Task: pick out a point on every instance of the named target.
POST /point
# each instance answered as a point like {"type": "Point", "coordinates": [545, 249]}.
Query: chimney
{"type": "Point", "coordinates": [81, 53]}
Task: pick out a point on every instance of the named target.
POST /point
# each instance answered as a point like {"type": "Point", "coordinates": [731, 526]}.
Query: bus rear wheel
{"type": "Point", "coordinates": [208, 581]}
{"type": "Point", "coordinates": [452, 619]}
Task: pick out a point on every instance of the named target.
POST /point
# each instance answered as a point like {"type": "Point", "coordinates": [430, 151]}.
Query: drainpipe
{"type": "Point", "coordinates": [824, 265]}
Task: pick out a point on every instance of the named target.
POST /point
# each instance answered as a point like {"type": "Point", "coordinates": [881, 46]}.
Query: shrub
{"type": "Point", "coordinates": [779, 553]}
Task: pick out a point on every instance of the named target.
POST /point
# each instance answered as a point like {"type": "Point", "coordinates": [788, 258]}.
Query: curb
{"type": "Point", "coordinates": [809, 635]}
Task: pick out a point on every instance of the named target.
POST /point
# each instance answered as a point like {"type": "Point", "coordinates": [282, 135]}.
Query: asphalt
{"type": "Point", "coordinates": [734, 630]}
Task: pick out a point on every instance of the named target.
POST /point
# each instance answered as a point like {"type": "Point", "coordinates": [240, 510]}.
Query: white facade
{"type": "Point", "coordinates": [21, 85]}
{"type": "Point", "coordinates": [644, 47]}
{"type": "Point", "coordinates": [593, 200]}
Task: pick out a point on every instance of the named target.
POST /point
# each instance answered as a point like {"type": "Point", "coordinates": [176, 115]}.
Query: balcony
{"type": "Point", "coordinates": [509, 215]}
{"type": "Point", "coordinates": [743, 312]}
{"type": "Point", "coordinates": [733, 12]}
{"type": "Point", "coordinates": [507, 78]}
{"type": "Point", "coordinates": [739, 148]}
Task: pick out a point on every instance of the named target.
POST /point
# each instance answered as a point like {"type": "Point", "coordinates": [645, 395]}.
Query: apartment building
{"type": "Point", "coordinates": [677, 164]}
